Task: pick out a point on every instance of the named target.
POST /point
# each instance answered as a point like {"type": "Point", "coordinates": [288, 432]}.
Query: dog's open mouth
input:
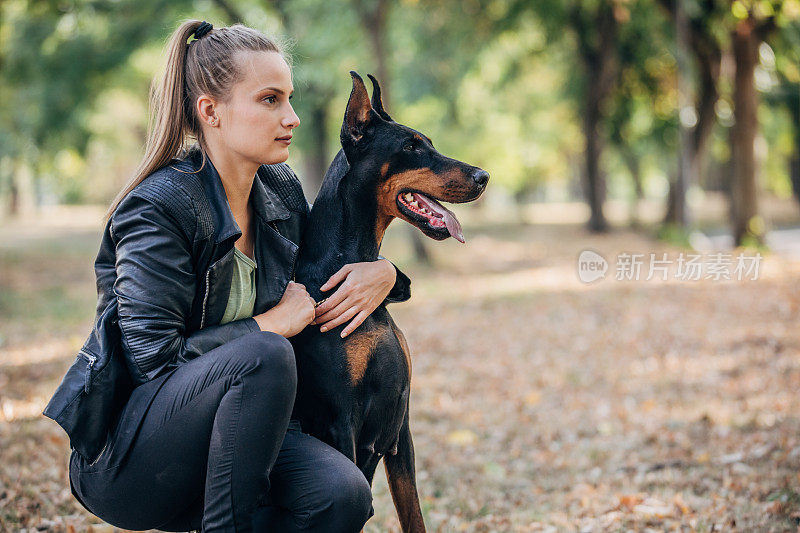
{"type": "Point", "coordinates": [424, 209]}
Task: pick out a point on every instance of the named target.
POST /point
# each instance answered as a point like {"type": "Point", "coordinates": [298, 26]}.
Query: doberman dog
{"type": "Point", "coordinates": [353, 392]}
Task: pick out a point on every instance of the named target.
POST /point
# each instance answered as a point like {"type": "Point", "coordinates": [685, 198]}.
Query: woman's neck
{"type": "Point", "coordinates": [237, 177]}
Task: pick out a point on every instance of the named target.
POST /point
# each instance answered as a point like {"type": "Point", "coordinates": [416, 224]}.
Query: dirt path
{"type": "Point", "coordinates": [539, 403]}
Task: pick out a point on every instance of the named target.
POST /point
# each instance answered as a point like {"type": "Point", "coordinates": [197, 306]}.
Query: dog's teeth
{"type": "Point", "coordinates": [408, 196]}
{"type": "Point", "coordinates": [415, 203]}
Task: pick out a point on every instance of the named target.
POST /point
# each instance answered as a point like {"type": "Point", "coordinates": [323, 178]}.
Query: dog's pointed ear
{"type": "Point", "coordinates": [358, 114]}
{"type": "Point", "coordinates": [377, 103]}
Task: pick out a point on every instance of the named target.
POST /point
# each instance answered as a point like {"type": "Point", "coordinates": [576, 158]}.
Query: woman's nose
{"type": "Point", "coordinates": [291, 120]}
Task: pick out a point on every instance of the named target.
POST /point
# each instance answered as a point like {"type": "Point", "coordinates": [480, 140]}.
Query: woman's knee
{"type": "Point", "coordinates": [359, 497]}
{"type": "Point", "coordinates": [275, 357]}
{"type": "Point", "coordinates": [349, 503]}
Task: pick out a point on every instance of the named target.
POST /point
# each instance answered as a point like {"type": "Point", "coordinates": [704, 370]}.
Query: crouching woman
{"type": "Point", "coordinates": [179, 405]}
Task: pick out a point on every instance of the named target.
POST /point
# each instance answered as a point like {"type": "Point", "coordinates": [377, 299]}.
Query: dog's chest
{"type": "Point", "coordinates": [379, 347]}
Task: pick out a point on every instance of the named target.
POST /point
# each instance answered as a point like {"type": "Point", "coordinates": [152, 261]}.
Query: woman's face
{"type": "Point", "coordinates": [257, 120]}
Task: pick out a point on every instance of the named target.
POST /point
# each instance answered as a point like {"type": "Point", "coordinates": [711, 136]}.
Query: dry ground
{"type": "Point", "coordinates": [539, 403]}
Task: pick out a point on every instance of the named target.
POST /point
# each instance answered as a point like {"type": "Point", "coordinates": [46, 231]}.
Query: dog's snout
{"type": "Point", "coordinates": [480, 176]}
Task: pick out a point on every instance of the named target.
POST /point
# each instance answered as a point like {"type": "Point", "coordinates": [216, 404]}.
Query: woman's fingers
{"type": "Point", "coordinates": [312, 310]}
{"type": "Point", "coordinates": [337, 278]}
{"type": "Point", "coordinates": [360, 292]}
{"type": "Point", "coordinates": [341, 319]}
{"type": "Point", "coordinates": [360, 317]}
{"type": "Point", "coordinates": [334, 300]}
{"type": "Point", "coordinates": [336, 312]}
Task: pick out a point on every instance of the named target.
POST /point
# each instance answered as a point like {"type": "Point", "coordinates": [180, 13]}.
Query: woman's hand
{"type": "Point", "coordinates": [363, 287]}
{"type": "Point", "coordinates": [291, 315]}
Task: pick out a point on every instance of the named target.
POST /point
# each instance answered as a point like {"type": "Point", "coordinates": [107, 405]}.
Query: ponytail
{"type": "Point", "coordinates": [167, 128]}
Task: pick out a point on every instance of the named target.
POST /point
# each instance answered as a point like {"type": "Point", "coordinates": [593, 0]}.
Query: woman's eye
{"type": "Point", "coordinates": [270, 99]}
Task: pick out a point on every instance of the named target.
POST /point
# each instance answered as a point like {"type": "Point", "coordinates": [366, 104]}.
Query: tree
{"type": "Point", "coordinates": [702, 21]}
{"type": "Point", "coordinates": [55, 58]}
{"type": "Point", "coordinates": [595, 26]}
{"type": "Point", "coordinates": [753, 24]}
{"type": "Point", "coordinates": [640, 113]}
{"type": "Point", "coordinates": [787, 94]}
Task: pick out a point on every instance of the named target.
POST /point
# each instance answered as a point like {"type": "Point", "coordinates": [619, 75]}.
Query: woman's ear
{"type": "Point", "coordinates": [206, 108]}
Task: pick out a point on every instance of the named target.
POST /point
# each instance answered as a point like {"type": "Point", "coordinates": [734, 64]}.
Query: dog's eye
{"type": "Point", "coordinates": [410, 146]}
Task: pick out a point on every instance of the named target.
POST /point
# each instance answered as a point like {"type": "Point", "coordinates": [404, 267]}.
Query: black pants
{"type": "Point", "coordinates": [215, 451]}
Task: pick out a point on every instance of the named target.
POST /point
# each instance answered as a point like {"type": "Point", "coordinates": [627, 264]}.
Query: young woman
{"type": "Point", "coordinates": [197, 260]}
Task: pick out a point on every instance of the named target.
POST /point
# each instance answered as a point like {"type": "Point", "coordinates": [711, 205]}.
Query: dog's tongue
{"type": "Point", "coordinates": [450, 220]}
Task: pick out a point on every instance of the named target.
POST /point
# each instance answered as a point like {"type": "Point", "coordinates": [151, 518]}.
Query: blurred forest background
{"type": "Point", "coordinates": [651, 103]}
{"type": "Point", "coordinates": [539, 402]}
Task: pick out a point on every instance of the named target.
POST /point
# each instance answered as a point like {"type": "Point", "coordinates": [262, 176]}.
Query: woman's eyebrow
{"type": "Point", "coordinates": [275, 90]}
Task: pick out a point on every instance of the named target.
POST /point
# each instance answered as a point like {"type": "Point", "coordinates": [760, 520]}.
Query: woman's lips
{"type": "Point", "coordinates": [287, 140]}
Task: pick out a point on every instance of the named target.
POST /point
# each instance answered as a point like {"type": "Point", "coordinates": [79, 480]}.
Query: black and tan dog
{"type": "Point", "coordinates": [353, 392]}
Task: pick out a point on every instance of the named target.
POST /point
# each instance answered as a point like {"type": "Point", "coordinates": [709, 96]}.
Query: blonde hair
{"type": "Point", "coordinates": [203, 66]}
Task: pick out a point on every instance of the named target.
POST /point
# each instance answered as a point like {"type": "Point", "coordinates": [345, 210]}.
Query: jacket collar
{"type": "Point", "coordinates": [267, 205]}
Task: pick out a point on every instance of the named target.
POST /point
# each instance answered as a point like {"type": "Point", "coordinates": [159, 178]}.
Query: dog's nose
{"type": "Point", "coordinates": [480, 176]}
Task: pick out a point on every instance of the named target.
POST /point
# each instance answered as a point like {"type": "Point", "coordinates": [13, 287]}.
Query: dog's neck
{"type": "Point", "coordinates": [340, 229]}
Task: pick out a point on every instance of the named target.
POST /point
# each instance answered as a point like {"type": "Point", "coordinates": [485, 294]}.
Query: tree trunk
{"type": "Point", "coordinates": [594, 182]}
{"type": "Point", "coordinates": [709, 68]}
{"type": "Point", "coordinates": [13, 197]}
{"type": "Point", "coordinates": [374, 23]}
{"type": "Point", "coordinates": [692, 32]}
{"type": "Point", "coordinates": [597, 38]}
{"type": "Point", "coordinates": [671, 214]}
{"type": "Point", "coordinates": [744, 193]}
{"type": "Point", "coordinates": [317, 96]}
{"type": "Point", "coordinates": [22, 201]}
{"type": "Point", "coordinates": [685, 175]}
{"type": "Point", "coordinates": [794, 173]}
{"type": "Point", "coordinates": [318, 159]}
{"type": "Point", "coordinates": [635, 169]}
{"type": "Point", "coordinates": [794, 161]}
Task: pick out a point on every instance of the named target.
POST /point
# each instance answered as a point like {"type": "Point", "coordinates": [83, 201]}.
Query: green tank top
{"type": "Point", "coordinates": [242, 298]}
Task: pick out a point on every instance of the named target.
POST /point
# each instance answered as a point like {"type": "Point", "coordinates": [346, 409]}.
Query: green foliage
{"type": "Point", "coordinates": [325, 43]}
{"type": "Point", "coordinates": [56, 57]}
{"type": "Point", "coordinates": [496, 83]}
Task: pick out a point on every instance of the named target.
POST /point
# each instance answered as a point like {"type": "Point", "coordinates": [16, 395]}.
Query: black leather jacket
{"type": "Point", "coordinates": [164, 273]}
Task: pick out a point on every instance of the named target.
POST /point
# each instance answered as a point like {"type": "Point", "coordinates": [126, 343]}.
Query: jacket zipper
{"type": "Point", "coordinates": [86, 387]}
{"type": "Point", "coordinates": [99, 455]}
{"type": "Point", "coordinates": [89, 365]}
{"type": "Point", "coordinates": [205, 298]}
{"type": "Point", "coordinates": [208, 281]}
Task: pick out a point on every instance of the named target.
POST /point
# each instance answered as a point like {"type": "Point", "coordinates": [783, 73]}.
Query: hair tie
{"type": "Point", "coordinates": [202, 29]}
